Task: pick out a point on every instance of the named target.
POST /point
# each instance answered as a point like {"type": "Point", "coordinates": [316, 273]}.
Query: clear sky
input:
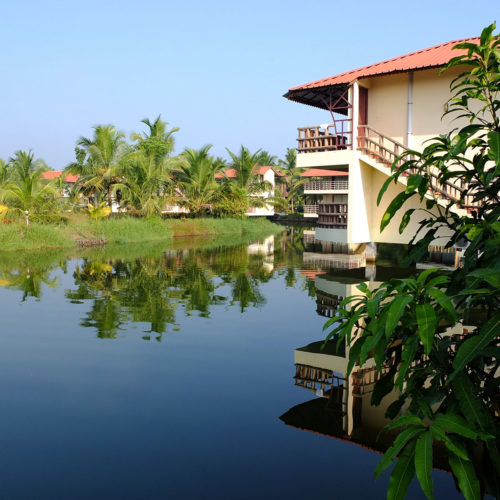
{"type": "Point", "coordinates": [217, 68]}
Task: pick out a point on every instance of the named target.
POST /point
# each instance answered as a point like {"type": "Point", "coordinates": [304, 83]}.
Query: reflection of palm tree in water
{"type": "Point", "coordinates": [29, 280]}
{"type": "Point", "coordinates": [149, 290]}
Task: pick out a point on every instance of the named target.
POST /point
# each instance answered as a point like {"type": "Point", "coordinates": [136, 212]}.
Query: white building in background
{"type": "Point", "coordinates": [264, 173]}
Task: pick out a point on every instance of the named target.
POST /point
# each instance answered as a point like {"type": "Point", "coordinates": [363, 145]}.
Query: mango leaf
{"type": "Point", "coordinates": [395, 407]}
{"type": "Point", "coordinates": [384, 187]}
{"type": "Point", "coordinates": [370, 343]}
{"type": "Point", "coordinates": [426, 321]}
{"type": "Point", "coordinates": [372, 305]}
{"type": "Point", "coordinates": [405, 220]}
{"type": "Point", "coordinates": [494, 146]}
{"type": "Point", "coordinates": [491, 276]}
{"type": "Point", "coordinates": [425, 274]}
{"type": "Point", "coordinates": [452, 445]}
{"type": "Point", "coordinates": [407, 357]}
{"type": "Point", "coordinates": [393, 207]}
{"type": "Point", "coordinates": [395, 312]}
{"type": "Point", "coordinates": [438, 280]}
{"type": "Point", "coordinates": [331, 321]}
{"type": "Point", "coordinates": [473, 347]}
{"type": "Point", "coordinates": [402, 474]}
{"type": "Point", "coordinates": [354, 352]}
{"type": "Point", "coordinates": [423, 463]}
{"type": "Point", "coordinates": [444, 301]}
{"type": "Point", "coordinates": [464, 471]}
{"type": "Point", "coordinates": [470, 404]}
{"type": "Point", "coordinates": [456, 424]}
{"type": "Point", "coordinates": [402, 421]}
{"type": "Point", "coordinates": [393, 451]}
{"type": "Point", "coordinates": [413, 182]}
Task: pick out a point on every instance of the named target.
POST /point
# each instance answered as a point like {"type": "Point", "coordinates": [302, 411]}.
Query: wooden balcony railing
{"type": "Point", "coordinates": [332, 215]}
{"type": "Point", "coordinates": [311, 209]}
{"type": "Point", "coordinates": [327, 185]}
{"type": "Point", "coordinates": [386, 150]}
{"type": "Point", "coordinates": [328, 137]}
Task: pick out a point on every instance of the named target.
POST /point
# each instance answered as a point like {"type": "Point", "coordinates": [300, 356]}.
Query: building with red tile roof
{"type": "Point", "coordinates": [54, 174]}
{"type": "Point", "coordinates": [374, 114]}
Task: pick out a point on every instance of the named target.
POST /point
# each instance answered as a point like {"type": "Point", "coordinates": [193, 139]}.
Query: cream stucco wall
{"type": "Point", "coordinates": [338, 159]}
{"type": "Point", "coordinates": [391, 232]}
{"type": "Point", "coordinates": [361, 190]}
{"type": "Point", "coordinates": [431, 91]}
{"type": "Point", "coordinates": [388, 104]}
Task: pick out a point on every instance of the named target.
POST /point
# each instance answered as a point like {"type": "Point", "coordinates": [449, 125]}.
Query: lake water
{"type": "Point", "coordinates": [154, 372]}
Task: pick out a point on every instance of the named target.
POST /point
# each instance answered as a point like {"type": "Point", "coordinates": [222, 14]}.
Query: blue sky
{"type": "Point", "coordinates": [216, 69]}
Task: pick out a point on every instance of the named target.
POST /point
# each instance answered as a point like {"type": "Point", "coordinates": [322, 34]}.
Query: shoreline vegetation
{"type": "Point", "coordinates": [78, 229]}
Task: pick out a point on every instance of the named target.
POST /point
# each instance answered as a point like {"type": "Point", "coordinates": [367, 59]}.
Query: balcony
{"type": "Point", "coordinates": [332, 215]}
{"type": "Point", "coordinates": [326, 187]}
{"type": "Point", "coordinates": [327, 137]}
{"type": "Point", "coordinates": [310, 210]}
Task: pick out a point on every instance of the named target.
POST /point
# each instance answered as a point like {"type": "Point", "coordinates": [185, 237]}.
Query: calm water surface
{"type": "Point", "coordinates": [141, 372]}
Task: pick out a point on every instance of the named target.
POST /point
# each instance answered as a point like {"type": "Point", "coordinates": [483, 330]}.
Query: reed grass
{"type": "Point", "coordinates": [124, 230]}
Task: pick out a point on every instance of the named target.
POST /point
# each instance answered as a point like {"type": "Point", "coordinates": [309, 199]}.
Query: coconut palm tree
{"type": "Point", "coordinates": [148, 182]}
{"type": "Point", "coordinates": [247, 177]}
{"type": "Point", "coordinates": [99, 162]}
{"type": "Point", "coordinates": [294, 181]}
{"type": "Point", "coordinates": [195, 175]}
{"type": "Point", "coordinates": [24, 188]}
{"type": "Point", "coordinates": [157, 141]}
{"type": "Point", "coordinates": [148, 167]}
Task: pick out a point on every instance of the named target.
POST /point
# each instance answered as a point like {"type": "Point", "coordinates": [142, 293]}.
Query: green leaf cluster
{"type": "Point", "coordinates": [435, 336]}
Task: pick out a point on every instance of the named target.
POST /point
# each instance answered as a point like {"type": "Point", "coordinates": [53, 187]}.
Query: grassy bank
{"type": "Point", "coordinates": [17, 236]}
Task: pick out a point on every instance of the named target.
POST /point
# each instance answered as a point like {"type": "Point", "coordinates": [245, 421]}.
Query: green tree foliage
{"type": "Point", "coordinates": [293, 180]}
{"type": "Point", "coordinates": [247, 176]}
{"type": "Point", "coordinates": [195, 174]}
{"type": "Point", "coordinates": [100, 163]}
{"type": "Point", "coordinates": [22, 187]}
{"type": "Point", "coordinates": [413, 328]}
{"type": "Point", "coordinates": [148, 168]}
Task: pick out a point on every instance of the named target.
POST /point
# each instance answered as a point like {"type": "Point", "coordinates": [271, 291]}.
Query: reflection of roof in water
{"type": "Point", "coordinates": [329, 349]}
{"type": "Point", "coordinates": [310, 273]}
{"type": "Point", "coordinates": [318, 417]}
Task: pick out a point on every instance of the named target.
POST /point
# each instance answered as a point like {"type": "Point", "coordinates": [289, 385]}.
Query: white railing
{"type": "Point", "coordinates": [327, 185]}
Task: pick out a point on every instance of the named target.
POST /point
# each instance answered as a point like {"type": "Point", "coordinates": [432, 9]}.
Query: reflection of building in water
{"type": "Point", "coordinates": [342, 407]}
{"type": "Point", "coordinates": [335, 260]}
{"type": "Point", "coordinates": [265, 248]}
{"type": "Point", "coordinates": [331, 289]}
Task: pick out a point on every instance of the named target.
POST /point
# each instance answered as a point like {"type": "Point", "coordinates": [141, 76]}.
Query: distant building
{"type": "Point", "coordinates": [69, 180]}
{"type": "Point", "coordinates": [263, 173]}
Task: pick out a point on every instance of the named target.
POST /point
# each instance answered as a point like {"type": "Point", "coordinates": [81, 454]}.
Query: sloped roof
{"type": "Point", "coordinates": [320, 172]}
{"type": "Point", "coordinates": [258, 170]}
{"type": "Point", "coordinates": [53, 174]}
{"type": "Point", "coordinates": [431, 57]}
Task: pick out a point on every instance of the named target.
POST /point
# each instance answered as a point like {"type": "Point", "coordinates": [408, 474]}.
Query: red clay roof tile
{"type": "Point", "coordinates": [432, 57]}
